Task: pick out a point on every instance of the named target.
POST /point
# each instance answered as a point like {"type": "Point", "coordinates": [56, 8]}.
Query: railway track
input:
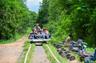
{"type": "Point", "coordinates": [40, 55]}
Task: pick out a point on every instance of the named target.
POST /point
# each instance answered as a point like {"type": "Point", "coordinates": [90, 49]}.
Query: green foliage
{"type": "Point", "coordinates": [17, 36]}
{"type": "Point", "coordinates": [72, 16]}
{"type": "Point", "coordinates": [14, 18]}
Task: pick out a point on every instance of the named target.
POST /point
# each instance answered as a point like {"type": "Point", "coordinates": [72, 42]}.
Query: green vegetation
{"type": "Point", "coordinates": [64, 17]}
{"type": "Point", "coordinates": [70, 16]}
{"type": "Point", "coordinates": [50, 57]}
{"type": "Point", "coordinates": [61, 17]}
{"type": "Point", "coordinates": [43, 13]}
{"type": "Point", "coordinates": [15, 19]}
{"type": "Point", "coordinates": [17, 36]}
{"type": "Point", "coordinates": [26, 46]}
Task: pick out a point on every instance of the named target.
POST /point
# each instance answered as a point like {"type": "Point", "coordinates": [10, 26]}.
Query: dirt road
{"type": "Point", "coordinates": [9, 53]}
{"type": "Point", "coordinates": [75, 61]}
{"type": "Point", "coordinates": [39, 55]}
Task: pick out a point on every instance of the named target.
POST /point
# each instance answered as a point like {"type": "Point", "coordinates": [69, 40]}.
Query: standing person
{"type": "Point", "coordinates": [37, 28]}
{"type": "Point", "coordinates": [37, 31]}
{"type": "Point", "coordinates": [68, 40]}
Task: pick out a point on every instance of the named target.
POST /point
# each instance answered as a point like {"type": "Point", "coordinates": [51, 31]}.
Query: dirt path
{"type": "Point", "coordinates": [9, 53]}
{"type": "Point", "coordinates": [75, 61]}
{"type": "Point", "coordinates": [39, 56]}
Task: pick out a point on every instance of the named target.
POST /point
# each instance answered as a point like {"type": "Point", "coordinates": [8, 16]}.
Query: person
{"type": "Point", "coordinates": [82, 53]}
{"type": "Point", "coordinates": [73, 46]}
{"type": "Point", "coordinates": [37, 28]}
{"type": "Point", "coordinates": [68, 40]}
{"type": "Point", "coordinates": [91, 58]}
{"type": "Point", "coordinates": [94, 55]}
{"type": "Point", "coordinates": [42, 34]}
{"type": "Point", "coordinates": [79, 42]}
{"type": "Point", "coordinates": [82, 48]}
{"type": "Point", "coordinates": [46, 33]}
{"type": "Point", "coordinates": [32, 35]}
{"type": "Point", "coordinates": [81, 45]}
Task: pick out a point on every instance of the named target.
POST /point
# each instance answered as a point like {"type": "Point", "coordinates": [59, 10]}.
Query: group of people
{"type": "Point", "coordinates": [39, 33]}
{"type": "Point", "coordinates": [80, 48]}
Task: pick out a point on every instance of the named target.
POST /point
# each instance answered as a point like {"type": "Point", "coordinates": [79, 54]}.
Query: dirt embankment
{"type": "Point", "coordinates": [9, 53]}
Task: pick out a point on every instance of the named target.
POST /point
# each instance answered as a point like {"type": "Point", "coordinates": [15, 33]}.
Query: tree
{"type": "Point", "coordinates": [43, 12]}
{"type": "Point", "coordinates": [14, 18]}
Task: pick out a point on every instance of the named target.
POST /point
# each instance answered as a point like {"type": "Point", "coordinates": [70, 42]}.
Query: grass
{"type": "Point", "coordinates": [90, 50]}
{"type": "Point", "coordinates": [26, 46]}
{"type": "Point", "coordinates": [53, 49]}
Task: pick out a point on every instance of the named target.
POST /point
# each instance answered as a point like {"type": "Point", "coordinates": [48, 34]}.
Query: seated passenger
{"type": "Point", "coordinates": [94, 55]}
{"type": "Point", "coordinates": [91, 58]}
{"type": "Point", "coordinates": [83, 53]}
{"type": "Point", "coordinates": [73, 46]}
{"type": "Point", "coordinates": [81, 45]}
{"type": "Point", "coordinates": [47, 35]}
{"type": "Point", "coordinates": [32, 35]}
{"type": "Point", "coordinates": [42, 34]}
{"type": "Point", "coordinates": [79, 42]}
{"type": "Point", "coordinates": [35, 34]}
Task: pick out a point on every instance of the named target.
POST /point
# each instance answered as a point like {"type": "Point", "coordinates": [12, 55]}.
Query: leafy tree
{"type": "Point", "coordinates": [14, 18]}
{"type": "Point", "coordinates": [43, 12]}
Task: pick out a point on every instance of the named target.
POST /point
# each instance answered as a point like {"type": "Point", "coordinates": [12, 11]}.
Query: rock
{"type": "Point", "coordinates": [68, 56]}
{"type": "Point", "coordinates": [72, 58]}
